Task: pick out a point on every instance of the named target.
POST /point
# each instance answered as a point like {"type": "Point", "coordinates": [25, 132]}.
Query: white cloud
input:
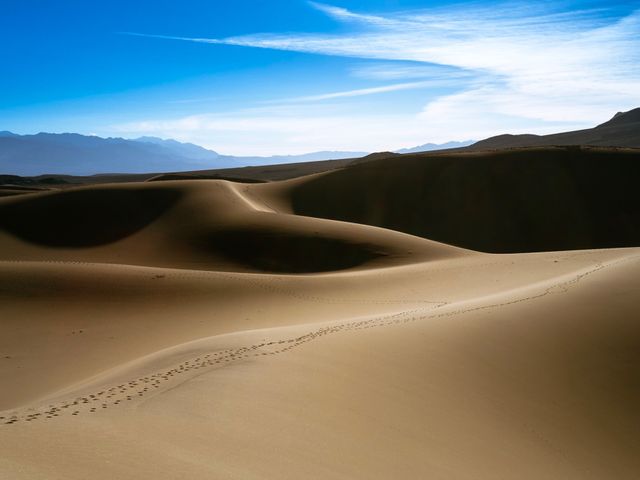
{"type": "Point", "coordinates": [342, 14]}
{"type": "Point", "coordinates": [515, 66]}
{"type": "Point", "coordinates": [401, 70]}
{"type": "Point", "coordinates": [365, 91]}
{"type": "Point", "coordinates": [292, 129]}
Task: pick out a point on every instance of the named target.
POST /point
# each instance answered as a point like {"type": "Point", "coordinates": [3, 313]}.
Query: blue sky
{"type": "Point", "coordinates": [293, 76]}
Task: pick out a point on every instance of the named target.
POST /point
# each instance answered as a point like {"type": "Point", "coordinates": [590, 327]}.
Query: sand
{"type": "Point", "coordinates": [203, 329]}
{"type": "Point", "coordinates": [506, 201]}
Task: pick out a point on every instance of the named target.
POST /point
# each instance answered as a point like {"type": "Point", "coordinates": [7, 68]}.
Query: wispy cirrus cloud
{"type": "Point", "coordinates": [360, 92]}
{"type": "Point", "coordinates": [521, 64]}
{"type": "Point", "coordinates": [401, 70]}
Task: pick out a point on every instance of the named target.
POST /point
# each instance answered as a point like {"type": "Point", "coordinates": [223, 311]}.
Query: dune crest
{"type": "Point", "coordinates": [198, 224]}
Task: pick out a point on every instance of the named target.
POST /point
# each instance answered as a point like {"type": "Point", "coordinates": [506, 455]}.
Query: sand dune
{"type": "Point", "coordinates": [522, 200]}
{"type": "Point", "coordinates": [205, 329]}
{"type": "Point", "coordinates": [201, 224]}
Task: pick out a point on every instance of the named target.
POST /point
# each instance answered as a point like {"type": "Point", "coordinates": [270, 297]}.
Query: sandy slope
{"type": "Point", "coordinates": [140, 339]}
{"type": "Point", "coordinates": [505, 201]}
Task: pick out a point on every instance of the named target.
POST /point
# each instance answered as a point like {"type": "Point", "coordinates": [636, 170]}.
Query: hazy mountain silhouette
{"type": "Point", "coordinates": [82, 155]}
{"type": "Point", "coordinates": [75, 154]}
{"type": "Point", "coordinates": [188, 150]}
{"type": "Point", "coordinates": [429, 147]}
{"type": "Point", "coordinates": [623, 130]}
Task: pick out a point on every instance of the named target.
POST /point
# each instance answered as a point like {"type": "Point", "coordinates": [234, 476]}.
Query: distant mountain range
{"type": "Point", "coordinates": [75, 154]}
{"type": "Point", "coordinates": [623, 130]}
{"type": "Point", "coordinates": [430, 147]}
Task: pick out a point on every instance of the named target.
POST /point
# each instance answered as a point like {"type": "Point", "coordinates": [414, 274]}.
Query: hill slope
{"type": "Point", "coordinates": [623, 130]}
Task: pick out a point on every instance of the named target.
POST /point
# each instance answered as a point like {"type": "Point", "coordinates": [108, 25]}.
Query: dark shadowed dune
{"type": "Point", "coordinates": [288, 252]}
{"type": "Point", "coordinates": [203, 224]}
{"type": "Point", "coordinates": [84, 217]}
{"type": "Point", "coordinates": [537, 199]}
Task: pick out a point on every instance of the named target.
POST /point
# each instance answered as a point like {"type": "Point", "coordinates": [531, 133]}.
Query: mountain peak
{"type": "Point", "coordinates": [623, 118]}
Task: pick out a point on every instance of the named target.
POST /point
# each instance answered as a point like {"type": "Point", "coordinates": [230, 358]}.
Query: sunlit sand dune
{"type": "Point", "coordinates": [207, 329]}
{"type": "Point", "coordinates": [209, 225]}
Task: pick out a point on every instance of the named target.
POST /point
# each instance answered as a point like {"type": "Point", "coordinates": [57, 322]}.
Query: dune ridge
{"type": "Point", "coordinates": [181, 224]}
{"type": "Point", "coordinates": [207, 329]}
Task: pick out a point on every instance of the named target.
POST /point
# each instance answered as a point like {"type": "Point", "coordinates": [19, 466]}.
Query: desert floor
{"type": "Point", "coordinates": [201, 329]}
